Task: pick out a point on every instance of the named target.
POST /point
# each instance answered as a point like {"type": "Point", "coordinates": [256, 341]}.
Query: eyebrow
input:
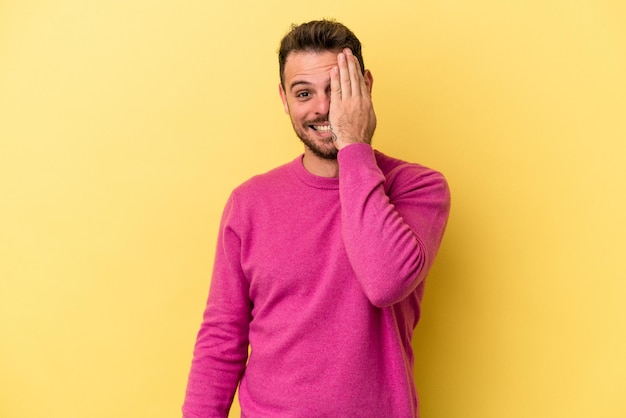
{"type": "Point", "coordinates": [299, 82]}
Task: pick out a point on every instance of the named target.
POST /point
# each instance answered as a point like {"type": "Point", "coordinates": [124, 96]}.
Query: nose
{"type": "Point", "coordinates": [322, 104]}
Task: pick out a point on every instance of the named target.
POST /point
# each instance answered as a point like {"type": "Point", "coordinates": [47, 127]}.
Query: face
{"type": "Point", "coordinates": [306, 98]}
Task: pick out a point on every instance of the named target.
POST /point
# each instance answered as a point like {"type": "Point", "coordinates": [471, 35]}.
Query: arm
{"type": "Point", "coordinates": [222, 344]}
{"type": "Point", "coordinates": [391, 231]}
{"type": "Point", "coordinates": [391, 228]}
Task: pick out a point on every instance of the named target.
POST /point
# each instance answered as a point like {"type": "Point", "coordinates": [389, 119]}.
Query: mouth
{"type": "Point", "coordinates": [320, 128]}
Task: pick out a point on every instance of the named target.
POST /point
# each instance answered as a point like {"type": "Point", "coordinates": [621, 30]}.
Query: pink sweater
{"type": "Point", "coordinates": [323, 279]}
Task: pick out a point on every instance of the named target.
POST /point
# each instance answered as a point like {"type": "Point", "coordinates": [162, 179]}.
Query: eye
{"type": "Point", "coordinates": [303, 95]}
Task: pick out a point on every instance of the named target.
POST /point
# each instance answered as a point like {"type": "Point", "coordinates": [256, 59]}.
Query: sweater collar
{"type": "Point", "coordinates": [311, 179]}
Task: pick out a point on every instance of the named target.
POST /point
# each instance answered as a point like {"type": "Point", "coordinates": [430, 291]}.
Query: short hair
{"type": "Point", "coordinates": [317, 36]}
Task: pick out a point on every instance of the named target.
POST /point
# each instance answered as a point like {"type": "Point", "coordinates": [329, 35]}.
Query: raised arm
{"type": "Point", "coordinates": [392, 225]}
{"type": "Point", "coordinates": [392, 222]}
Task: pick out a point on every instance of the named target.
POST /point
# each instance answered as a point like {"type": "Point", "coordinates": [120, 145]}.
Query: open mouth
{"type": "Point", "coordinates": [320, 128]}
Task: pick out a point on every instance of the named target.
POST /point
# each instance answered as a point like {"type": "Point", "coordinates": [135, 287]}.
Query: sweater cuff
{"type": "Point", "coordinates": [360, 153]}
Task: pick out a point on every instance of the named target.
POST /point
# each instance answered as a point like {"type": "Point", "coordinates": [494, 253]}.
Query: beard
{"type": "Point", "coordinates": [328, 152]}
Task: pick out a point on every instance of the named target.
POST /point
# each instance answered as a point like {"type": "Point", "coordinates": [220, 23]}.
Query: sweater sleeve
{"type": "Point", "coordinates": [221, 348]}
{"type": "Point", "coordinates": [392, 227]}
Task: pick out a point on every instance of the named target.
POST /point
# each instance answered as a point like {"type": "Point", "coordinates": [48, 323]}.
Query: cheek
{"type": "Point", "coordinates": [298, 112]}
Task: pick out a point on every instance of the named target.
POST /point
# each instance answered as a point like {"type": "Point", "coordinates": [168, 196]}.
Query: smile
{"type": "Point", "coordinates": [320, 128]}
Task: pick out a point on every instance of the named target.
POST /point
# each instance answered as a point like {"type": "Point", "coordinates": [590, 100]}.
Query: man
{"type": "Point", "coordinates": [320, 264]}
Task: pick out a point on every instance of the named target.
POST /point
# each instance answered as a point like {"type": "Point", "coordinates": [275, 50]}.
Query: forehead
{"type": "Point", "coordinates": [309, 66]}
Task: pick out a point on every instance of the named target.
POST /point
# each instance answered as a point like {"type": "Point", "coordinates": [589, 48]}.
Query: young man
{"type": "Point", "coordinates": [320, 265]}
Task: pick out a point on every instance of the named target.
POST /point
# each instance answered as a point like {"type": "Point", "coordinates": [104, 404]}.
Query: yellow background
{"type": "Point", "coordinates": [124, 125]}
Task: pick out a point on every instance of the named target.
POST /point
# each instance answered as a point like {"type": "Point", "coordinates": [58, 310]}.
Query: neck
{"type": "Point", "coordinates": [320, 166]}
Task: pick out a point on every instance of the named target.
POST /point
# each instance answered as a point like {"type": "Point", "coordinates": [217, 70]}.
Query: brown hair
{"type": "Point", "coordinates": [317, 36]}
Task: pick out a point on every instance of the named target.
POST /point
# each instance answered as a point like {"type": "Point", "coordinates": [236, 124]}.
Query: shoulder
{"type": "Point", "coordinates": [266, 183]}
{"type": "Point", "coordinates": [403, 174]}
{"type": "Point", "coordinates": [266, 194]}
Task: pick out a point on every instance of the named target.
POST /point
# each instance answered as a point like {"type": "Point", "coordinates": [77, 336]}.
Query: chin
{"type": "Point", "coordinates": [327, 153]}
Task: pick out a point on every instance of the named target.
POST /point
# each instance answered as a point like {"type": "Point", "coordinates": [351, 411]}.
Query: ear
{"type": "Point", "coordinates": [369, 80]}
{"type": "Point", "coordinates": [283, 97]}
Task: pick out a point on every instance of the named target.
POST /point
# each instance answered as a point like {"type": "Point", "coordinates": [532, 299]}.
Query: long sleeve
{"type": "Point", "coordinates": [222, 344]}
{"type": "Point", "coordinates": [302, 266]}
{"type": "Point", "coordinates": [392, 223]}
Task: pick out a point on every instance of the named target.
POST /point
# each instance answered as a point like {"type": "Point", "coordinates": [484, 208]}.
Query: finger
{"type": "Point", "coordinates": [344, 75]}
{"type": "Point", "coordinates": [355, 73]}
{"type": "Point", "coordinates": [335, 86]}
{"type": "Point", "coordinates": [362, 82]}
{"type": "Point", "coordinates": [365, 91]}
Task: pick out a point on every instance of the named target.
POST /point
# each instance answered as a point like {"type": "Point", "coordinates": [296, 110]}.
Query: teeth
{"type": "Point", "coordinates": [321, 128]}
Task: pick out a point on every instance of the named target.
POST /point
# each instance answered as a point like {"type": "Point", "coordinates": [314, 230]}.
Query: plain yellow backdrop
{"type": "Point", "coordinates": [124, 125]}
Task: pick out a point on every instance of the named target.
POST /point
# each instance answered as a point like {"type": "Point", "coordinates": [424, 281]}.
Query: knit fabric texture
{"type": "Point", "coordinates": [316, 290]}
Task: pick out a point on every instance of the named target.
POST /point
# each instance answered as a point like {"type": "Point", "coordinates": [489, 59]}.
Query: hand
{"type": "Point", "coordinates": [351, 115]}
